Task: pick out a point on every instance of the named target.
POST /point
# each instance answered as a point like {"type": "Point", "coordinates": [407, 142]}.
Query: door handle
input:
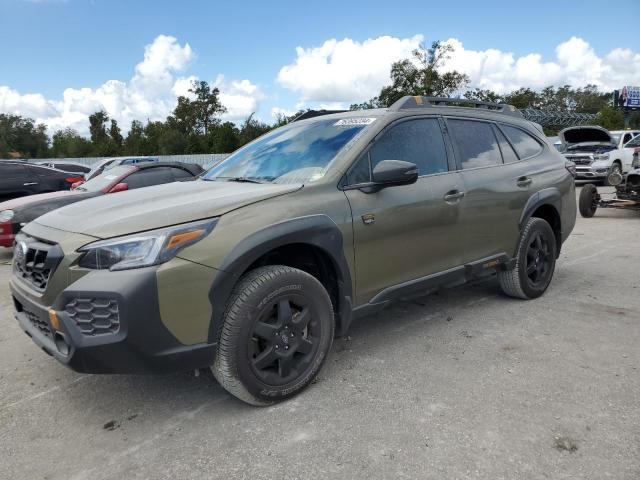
{"type": "Point", "coordinates": [29, 183]}
{"type": "Point", "coordinates": [453, 195]}
{"type": "Point", "coordinates": [524, 181]}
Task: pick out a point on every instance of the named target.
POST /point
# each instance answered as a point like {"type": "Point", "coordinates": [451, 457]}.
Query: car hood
{"type": "Point", "coordinates": [31, 199]}
{"type": "Point", "coordinates": [587, 135]}
{"type": "Point", "coordinates": [159, 206]}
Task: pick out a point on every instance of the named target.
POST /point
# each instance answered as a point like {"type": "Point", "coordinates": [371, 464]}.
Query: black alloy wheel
{"type": "Point", "coordinates": [284, 340]}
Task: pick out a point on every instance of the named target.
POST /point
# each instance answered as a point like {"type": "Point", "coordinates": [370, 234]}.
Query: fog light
{"type": "Point", "coordinates": [61, 343]}
{"type": "Point", "coordinates": [53, 320]}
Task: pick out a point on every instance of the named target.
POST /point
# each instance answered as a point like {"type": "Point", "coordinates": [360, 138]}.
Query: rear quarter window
{"type": "Point", "coordinates": [526, 146]}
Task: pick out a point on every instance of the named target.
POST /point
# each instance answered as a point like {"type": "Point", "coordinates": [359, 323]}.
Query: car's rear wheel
{"type": "Point", "coordinates": [588, 201]}
{"type": "Point", "coordinates": [278, 329]}
{"type": "Point", "coordinates": [535, 262]}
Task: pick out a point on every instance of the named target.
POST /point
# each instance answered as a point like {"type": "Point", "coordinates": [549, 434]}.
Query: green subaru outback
{"type": "Point", "coordinates": [254, 268]}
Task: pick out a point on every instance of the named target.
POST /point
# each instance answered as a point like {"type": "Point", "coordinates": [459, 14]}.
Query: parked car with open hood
{"type": "Point", "coordinates": [597, 152]}
{"type": "Point", "coordinates": [16, 213]}
{"type": "Point", "coordinates": [19, 179]}
{"type": "Point", "coordinates": [253, 268]}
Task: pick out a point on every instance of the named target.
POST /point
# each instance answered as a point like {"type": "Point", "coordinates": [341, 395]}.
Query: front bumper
{"type": "Point", "coordinates": [137, 343]}
{"type": "Point", "coordinates": [586, 172]}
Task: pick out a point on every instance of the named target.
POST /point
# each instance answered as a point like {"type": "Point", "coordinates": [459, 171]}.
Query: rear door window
{"type": "Point", "coordinates": [525, 144]}
{"type": "Point", "coordinates": [475, 143]}
{"type": "Point", "coordinates": [12, 170]}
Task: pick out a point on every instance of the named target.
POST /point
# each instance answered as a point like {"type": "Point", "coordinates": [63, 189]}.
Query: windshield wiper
{"type": "Point", "coordinates": [241, 179]}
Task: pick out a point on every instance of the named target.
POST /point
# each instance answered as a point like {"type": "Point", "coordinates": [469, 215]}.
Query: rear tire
{"type": "Point", "coordinates": [278, 329]}
{"type": "Point", "coordinates": [535, 262]}
{"type": "Point", "coordinates": [588, 201]}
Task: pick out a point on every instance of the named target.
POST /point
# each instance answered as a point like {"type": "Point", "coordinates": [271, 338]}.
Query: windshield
{"type": "Point", "coordinates": [635, 142]}
{"type": "Point", "coordinates": [296, 153]}
{"type": "Point", "coordinates": [105, 178]}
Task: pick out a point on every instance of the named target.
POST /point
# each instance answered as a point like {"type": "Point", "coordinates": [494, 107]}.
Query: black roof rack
{"type": "Point", "coordinates": [316, 113]}
{"type": "Point", "coordinates": [417, 101]}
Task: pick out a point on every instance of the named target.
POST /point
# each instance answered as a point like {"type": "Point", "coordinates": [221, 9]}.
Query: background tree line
{"type": "Point", "coordinates": [195, 125]}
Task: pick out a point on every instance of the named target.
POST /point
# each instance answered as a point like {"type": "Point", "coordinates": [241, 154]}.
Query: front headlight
{"type": "Point", "coordinates": [601, 157]}
{"type": "Point", "coordinates": [143, 249]}
{"type": "Point", "coordinates": [6, 215]}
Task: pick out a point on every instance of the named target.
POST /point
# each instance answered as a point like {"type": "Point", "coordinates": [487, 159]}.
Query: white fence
{"type": "Point", "coordinates": [201, 159]}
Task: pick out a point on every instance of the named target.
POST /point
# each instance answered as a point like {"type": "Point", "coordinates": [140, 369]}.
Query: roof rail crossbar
{"type": "Point", "coordinates": [418, 101]}
{"type": "Point", "coordinates": [316, 113]}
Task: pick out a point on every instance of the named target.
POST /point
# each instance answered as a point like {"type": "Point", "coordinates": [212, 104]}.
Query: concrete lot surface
{"type": "Point", "coordinates": [464, 384]}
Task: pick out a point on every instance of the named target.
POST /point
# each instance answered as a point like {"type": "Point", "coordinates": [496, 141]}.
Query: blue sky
{"type": "Point", "coordinates": [48, 46]}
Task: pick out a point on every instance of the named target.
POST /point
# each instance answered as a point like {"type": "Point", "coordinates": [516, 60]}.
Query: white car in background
{"type": "Point", "coordinates": [597, 152]}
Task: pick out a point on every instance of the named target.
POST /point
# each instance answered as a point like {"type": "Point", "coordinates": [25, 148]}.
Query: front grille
{"type": "Point", "coordinates": [94, 316]}
{"type": "Point", "coordinates": [37, 322]}
{"type": "Point", "coordinates": [35, 260]}
{"type": "Point", "coordinates": [581, 160]}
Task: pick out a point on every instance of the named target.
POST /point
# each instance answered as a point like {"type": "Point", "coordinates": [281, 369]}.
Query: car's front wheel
{"type": "Point", "coordinates": [278, 329]}
{"type": "Point", "coordinates": [535, 262]}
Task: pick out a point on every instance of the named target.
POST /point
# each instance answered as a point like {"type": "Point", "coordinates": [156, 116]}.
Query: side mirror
{"type": "Point", "coordinates": [119, 187]}
{"type": "Point", "coordinates": [389, 173]}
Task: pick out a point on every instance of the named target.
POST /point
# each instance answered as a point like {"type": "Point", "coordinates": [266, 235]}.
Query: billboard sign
{"type": "Point", "coordinates": [628, 97]}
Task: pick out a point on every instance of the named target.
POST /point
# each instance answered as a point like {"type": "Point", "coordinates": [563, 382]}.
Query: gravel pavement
{"type": "Point", "coordinates": [462, 384]}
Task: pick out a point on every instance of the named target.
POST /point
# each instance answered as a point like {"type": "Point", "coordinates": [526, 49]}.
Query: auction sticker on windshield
{"type": "Point", "coordinates": [350, 122]}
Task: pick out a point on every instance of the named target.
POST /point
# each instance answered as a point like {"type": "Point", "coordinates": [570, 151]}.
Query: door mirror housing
{"type": "Point", "coordinates": [119, 187]}
{"type": "Point", "coordinates": [389, 173]}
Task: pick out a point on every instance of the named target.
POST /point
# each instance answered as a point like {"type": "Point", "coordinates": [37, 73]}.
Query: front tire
{"type": "Point", "coordinates": [278, 329]}
{"type": "Point", "coordinates": [535, 262]}
{"type": "Point", "coordinates": [588, 201]}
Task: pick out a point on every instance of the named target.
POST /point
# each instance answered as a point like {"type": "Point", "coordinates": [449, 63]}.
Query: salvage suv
{"type": "Point", "coordinates": [254, 268]}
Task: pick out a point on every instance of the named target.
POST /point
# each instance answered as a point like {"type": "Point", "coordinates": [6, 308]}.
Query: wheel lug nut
{"type": "Point", "coordinates": [277, 347]}
{"type": "Point", "coordinates": [286, 347]}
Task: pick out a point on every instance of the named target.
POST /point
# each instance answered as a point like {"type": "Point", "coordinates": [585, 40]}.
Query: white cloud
{"type": "Point", "coordinates": [240, 97]}
{"type": "Point", "coordinates": [150, 94]}
{"type": "Point", "coordinates": [347, 71]}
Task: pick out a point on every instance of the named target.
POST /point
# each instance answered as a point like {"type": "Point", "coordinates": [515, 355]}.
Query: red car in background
{"type": "Point", "coordinates": [16, 213]}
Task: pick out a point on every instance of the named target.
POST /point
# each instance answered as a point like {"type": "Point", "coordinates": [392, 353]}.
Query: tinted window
{"type": "Point", "coordinates": [525, 144]}
{"type": "Point", "coordinates": [12, 170]}
{"type": "Point", "coordinates": [71, 168]}
{"type": "Point", "coordinates": [180, 174]}
{"type": "Point", "coordinates": [508, 154]}
{"type": "Point", "coordinates": [626, 138]}
{"type": "Point", "coordinates": [416, 141]}
{"type": "Point", "coordinates": [148, 177]}
{"type": "Point", "coordinates": [475, 143]}
{"type": "Point", "coordinates": [360, 172]}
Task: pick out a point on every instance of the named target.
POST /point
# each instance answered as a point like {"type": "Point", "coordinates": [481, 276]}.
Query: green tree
{"type": "Point", "coordinates": [68, 143]}
{"type": "Point", "coordinates": [422, 75]}
{"type": "Point", "coordinates": [134, 143]}
{"type": "Point", "coordinates": [116, 134]}
{"type": "Point", "coordinates": [22, 137]}
{"type": "Point", "coordinates": [251, 129]}
{"type": "Point", "coordinates": [610, 118]}
{"type": "Point", "coordinates": [483, 95]}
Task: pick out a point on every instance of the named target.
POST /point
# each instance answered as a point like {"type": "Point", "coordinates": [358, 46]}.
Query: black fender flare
{"type": "Point", "coordinates": [548, 196]}
{"type": "Point", "coordinates": [315, 230]}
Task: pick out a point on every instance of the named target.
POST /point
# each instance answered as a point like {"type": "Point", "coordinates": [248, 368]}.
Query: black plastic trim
{"type": "Point", "coordinates": [316, 230]}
